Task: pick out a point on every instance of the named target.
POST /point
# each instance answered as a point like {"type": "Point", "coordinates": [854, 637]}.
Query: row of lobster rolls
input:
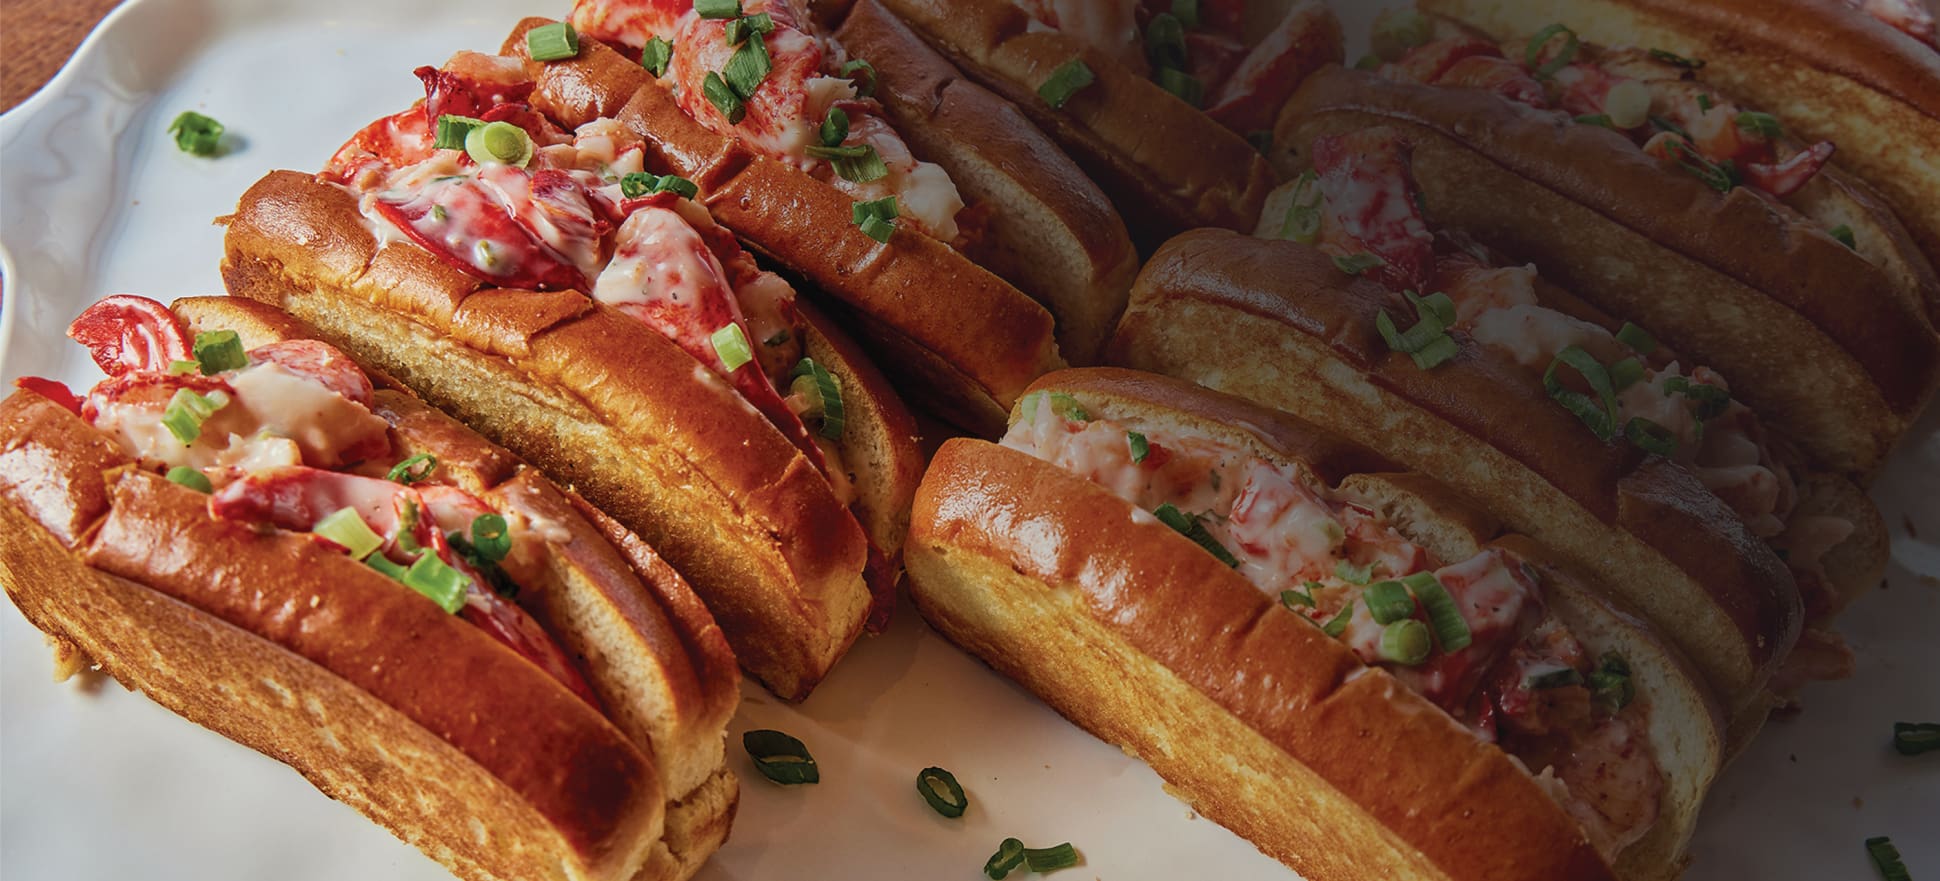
{"type": "Point", "coordinates": [419, 719]}
{"type": "Point", "coordinates": [1260, 720]}
{"type": "Point", "coordinates": [606, 404]}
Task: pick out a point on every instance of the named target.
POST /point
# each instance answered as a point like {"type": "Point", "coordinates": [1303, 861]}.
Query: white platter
{"type": "Point", "coordinates": [94, 200]}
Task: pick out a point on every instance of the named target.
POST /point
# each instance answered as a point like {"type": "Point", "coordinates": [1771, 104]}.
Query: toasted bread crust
{"type": "Point", "coordinates": [996, 339]}
{"type": "Point", "coordinates": [1828, 70]}
{"type": "Point", "coordinates": [1168, 166]}
{"type": "Point", "coordinates": [1257, 718]}
{"type": "Point", "coordinates": [598, 796]}
{"type": "Point", "coordinates": [595, 398]}
{"type": "Point", "coordinates": [1843, 373]}
{"type": "Point", "coordinates": [1485, 427]}
{"type": "Point", "coordinates": [1051, 231]}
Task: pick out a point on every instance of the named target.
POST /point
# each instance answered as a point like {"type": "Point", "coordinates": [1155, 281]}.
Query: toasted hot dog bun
{"type": "Point", "coordinates": [956, 332]}
{"type": "Point", "coordinates": [1829, 70]}
{"type": "Point", "coordinates": [1255, 717]}
{"type": "Point", "coordinates": [1827, 344]}
{"type": "Point", "coordinates": [384, 701]}
{"type": "Point", "coordinates": [609, 406]}
{"type": "Point", "coordinates": [1278, 323]}
{"type": "Point", "coordinates": [1169, 166]}
{"type": "Point", "coordinates": [1051, 232]}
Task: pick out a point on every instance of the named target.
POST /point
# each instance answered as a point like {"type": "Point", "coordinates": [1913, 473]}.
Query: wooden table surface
{"type": "Point", "coordinates": [36, 38]}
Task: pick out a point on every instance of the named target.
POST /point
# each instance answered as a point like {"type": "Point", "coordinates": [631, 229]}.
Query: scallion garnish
{"type": "Point", "coordinates": [1352, 574]}
{"type": "Point", "coordinates": [1427, 343]}
{"type": "Point", "coordinates": [718, 8]}
{"type": "Point", "coordinates": [347, 529]}
{"type": "Point", "coordinates": [1388, 602]}
{"type": "Point", "coordinates": [1843, 233]}
{"type": "Point", "coordinates": [941, 790]}
{"type": "Point", "coordinates": [1293, 599]}
{"type": "Point", "coordinates": [383, 564]}
{"type": "Point", "coordinates": [780, 758]}
{"type": "Point", "coordinates": [1165, 42]}
{"type": "Point", "coordinates": [1187, 87]}
{"type": "Point", "coordinates": [1337, 625]}
{"type": "Point", "coordinates": [816, 387]}
{"type": "Point", "coordinates": [876, 218]}
{"type": "Point", "coordinates": [740, 29]}
{"type": "Point", "coordinates": [1009, 855]}
{"type": "Point", "coordinates": [1704, 103]}
{"type": "Point", "coordinates": [1369, 61]}
{"type": "Point", "coordinates": [1762, 124]}
{"type": "Point", "coordinates": [1673, 58]}
{"type": "Point", "coordinates": [187, 410]}
{"type": "Point", "coordinates": [1069, 79]}
{"type": "Point", "coordinates": [1398, 30]}
{"type": "Point", "coordinates": [553, 42]}
{"type": "Point", "coordinates": [1303, 215]}
{"type": "Point", "coordinates": [656, 56]}
{"type": "Point", "coordinates": [1406, 642]}
{"type": "Point", "coordinates": [1532, 54]}
{"type": "Point", "coordinates": [184, 368]}
{"type": "Point", "coordinates": [1189, 526]}
{"type": "Point", "coordinates": [1712, 401]}
{"type": "Point", "coordinates": [866, 85]}
{"type": "Point", "coordinates": [193, 479]}
{"type": "Point", "coordinates": [1886, 858]}
{"type": "Point", "coordinates": [196, 135]}
{"type": "Point", "coordinates": [1721, 176]}
{"type": "Point", "coordinates": [835, 128]}
{"type": "Point", "coordinates": [1601, 120]}
{"type": "Point", "coordinates": [491, 537]}
{"type": "Point", "coordinates": [1451, 630]}
{"type": "Point", "coordinates": [500, 143]}
{"type": "Point", "coordinates": [1914, 738]}
{"type": "Point", "coordinates": [1138, 446]}
{"type": "Point", "coordinates": [219, 350]}
{"type": "Point", "coordinates": [723, 98]}
{"type": "Point", "coordinates": [438, 581]}
{"type": "Point", "coordinates": [640, 184]}
{"type": "Point", "coordinates": [858, 164]}
{"type": "Point", "coordinates": [1650, 436]}
{"type": "Point", "coordinates": [416, 469]}
{"type": "Point", "coordinates": [1355, 264]}
{"type": "Point", "coordinates": [1610, 684]}
{"type": "Point", "coordinates": [731, 344]}
{"type": "Point", "coordinates": [748, 67]}
{"type": "Point", "coordinates": [1050, 859]}
{"type": "Point", "coordinates": [1625, 374]}
{"type": "Point", "coordinates": [1551, 676]}
{"type": "Point", "coordinates": [1638, 339]}
{"type": "Point", "coordinates": [1600, 413]}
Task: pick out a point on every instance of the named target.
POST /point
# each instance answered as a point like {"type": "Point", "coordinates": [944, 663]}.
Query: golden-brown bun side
{"type": "Point", "coordinates": [1168, 166]}
{"type": "Point", "coordinates": [1051, 231]}
{"type": "Point", "coordinates": [1229, 312]}
{"type": "Point", "coordinates": [1830, 71]}
{"type": "Point", "coordinates": [1256, 718]}
{"type": "Point", "coordinates": [994, 339]}
{"type": "Point", "coordinates": [1813, 336]}
{"type": "Point", "coordinates": [599, 401]}
{"type": "Point", "coordinates": [455, 743]}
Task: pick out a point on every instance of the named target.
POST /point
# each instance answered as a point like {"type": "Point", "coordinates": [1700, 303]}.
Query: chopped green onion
{"type": "Point", "coordinates": [1294, 598]}
{"type": "Point", "coordinates": [816, 385]}
{"type": "Point", "coordinates": [1551, 676]}
{"type": "Point", "coordinates": [191, 478]}
{"type": "Point", "coordinates": [718, 8]}
{"type": "Point", "coordinates": [1451, 630]}
{"type": "Point", "coordinates": [1761, 124]}
{"type": "Point", "coordinates": [499, 143]}
{"type": "Point", "coordinates": [1914, 738]}
{"type": "Point", "coordinates": [1720, 176]}
{"type": "Point", "coordinates": [1625, 374]}
{"type": "Point", "coordinates": [416, 469]}
{"type": "Point", "coordinates": [1069, 79]}
{"type": "Point", "coordinates": [638, 184]}
{"type": "Point", "coordinates": [1601, 420]}
{"type": "Point", "coordinates": [1009, 855]}
{"type": "Point", "coordinates": [656, 56]}
{"type": "Point", "coordinates": [196, 135]}
{"type": "Point", "coordinates": [875, 217]}
{"type": "Point", "coordinates": [748, 67]}
{"type": "Point", "coordinates": [1597, 119]}
{"type": "Point", "coordinates": [438, 581]}
{"type": "Point", "coordinates": [1843, 233]}
{"type": "Point", "coordinates": [1050, 859]}
{"type": "Point", "coordinates": [1165, 42]}
{"type": "Point", "coordinates": [1427, 342]}
{"type": "Point", "coordinates": [187, 411]}
{"type": "Point", "coordinates": [879, 229]}
{"type": "Point", "coordinates": [1532, 54]}
{"type": "Point", "coordinates": [452, 130]}
{"type": "Point", "coordinates": [781, 758]}
{"type": "Point", "coordinates": [1388, 602]}
{"type": "Point", "coordinates": [1406, 642]}
{"type": "Point", "coordinates": [1187, 12]}
{"type": "Point", "coordinates": [218, 351]}
{"type": "Point", "coordinates": [863, 167]}
{"type": "Point", "coordinates": [1650, 436]}
{"type": "Point", "coordinates": [1138, 445]}
{"type": "Point", "coordinates": [1704, 103]}
{"type": "Point", "coordinates": [347, 529]}
{"type": "Point", "coordinates": [1712, 401]}
{"type": "Point", "coordinates": [740, 29]}
{"type": "Point", "coordinates": [1638, 339]}
{"type": "Point", "coordinates": [732, 345]}
{"type": "Point", "coordinates": [1185, 86]}
{"type": "Point", "coordinates": [1611, 685]}
{"type": "Point", "coordinates": [1303, 215]}
{"type": "Point", "coordinates": [1189, 526]}
{"type": "Point", "coordinates": [1355, 264]}
{"type": "Point", "coordinates": [383, 564]}
{"type": "Point", "coordinates": [553, 42]}
{"type": "Point", "coordinates": [491, 537]}
{"type": "Point", "coordinates": [1352, 574]}
{"type": "Point", "coordinates": [941, 789]}
{"type": "Point", "coordinates": [1398, 30]}
{"type": "Point", "coordinates": [1337, 625]}
{"type": "Point", "coordinates": [1369, 61]}
{"type": "Point", "coordinates": [867, 86]}
{"type": "Point", "coordinates": [835, 129]}
{"type": "Point", "coordinates": [723, 98]}
{"type": "Point", "coordinates": [184, 368]}
{"type": "Point", "coordinates": [1673, 58]}
{"type": "Point", "coordinates": [1886, 858]}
